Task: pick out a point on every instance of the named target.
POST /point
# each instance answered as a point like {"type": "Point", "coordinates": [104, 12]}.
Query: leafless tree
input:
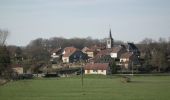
{"type": "Point", "coordinates": [3, 36]}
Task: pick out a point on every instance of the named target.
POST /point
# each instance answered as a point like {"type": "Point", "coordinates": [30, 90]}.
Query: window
{"type": "Point", "coordinates": [102, 70]}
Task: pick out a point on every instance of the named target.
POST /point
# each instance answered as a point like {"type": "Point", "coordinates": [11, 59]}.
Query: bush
{"type": "Point", "coordinates": [125, 79]}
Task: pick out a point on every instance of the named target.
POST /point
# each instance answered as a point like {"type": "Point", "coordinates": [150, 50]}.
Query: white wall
{"type": "Point", "coordinates": [123, 59]}
{"type": "Point", "coordinates": [113, 55]}
{"type": "Point", "coordinates": [54, 56]}
{"type": "Point", "coordinates": [18, 70]}
{"type": "Point", "coordinates": [90, 54]}
{"type": "Point", "coordinates": [65, 59]}
{"type": "Point", "coordinates": [103, 72]}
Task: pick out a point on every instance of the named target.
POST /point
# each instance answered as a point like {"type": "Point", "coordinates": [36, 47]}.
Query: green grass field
{"type": "Point", "coordinates": [95, 88]}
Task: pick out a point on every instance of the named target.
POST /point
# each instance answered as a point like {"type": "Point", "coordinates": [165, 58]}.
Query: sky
{"type": "Point", "coordinates": [129, 20]}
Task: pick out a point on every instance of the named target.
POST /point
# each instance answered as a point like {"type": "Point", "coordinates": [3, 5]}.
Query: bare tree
{"type": "Point", "coordinates": [3, 36]}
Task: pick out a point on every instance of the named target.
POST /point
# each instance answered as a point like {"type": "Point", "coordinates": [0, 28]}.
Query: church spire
{"type": "Point", "coordinates": [110, 40]}
{"type": "Point", "coordinates": [110, 34]}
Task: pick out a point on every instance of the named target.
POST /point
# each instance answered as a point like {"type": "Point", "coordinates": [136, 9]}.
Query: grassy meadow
{"type": "Point", "coordinates": [94, 88]}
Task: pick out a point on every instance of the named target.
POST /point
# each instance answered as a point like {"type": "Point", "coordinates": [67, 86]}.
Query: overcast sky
{"type": "Point", "coordinates": [130, 20]}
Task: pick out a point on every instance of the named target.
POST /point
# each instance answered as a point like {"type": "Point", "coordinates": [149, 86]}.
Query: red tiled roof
{"type": "Point", "coordinates": [69, 51]}
{"type": "Point", "coordinates": [126, 55]}
{"type": "Point", "coordinates": [96, 66]}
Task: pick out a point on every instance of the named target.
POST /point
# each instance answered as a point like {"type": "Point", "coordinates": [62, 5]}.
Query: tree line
{"type": "Point", "coordinates": [155, 55]}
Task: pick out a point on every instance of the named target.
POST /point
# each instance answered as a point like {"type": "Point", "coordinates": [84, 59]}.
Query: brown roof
{"type": "Point", "coordinates": [102, 53]}
{"type": "Point", "coordinates": [96, 66]}
{"type": "Point", "coordinates": [98, 48]}
{"type": "Point", "coordinates": [92, 49]}
{"type": "Point", "coordinates": [116, 49]}
{"type": "Point", "coordinates": [56, 50]}
{"type": "Point", "coordinates": [69, 51]}
{"type": "Point", "coordinates": [105, 52]}
{"type": "Point", "coordinates": [126, 55]}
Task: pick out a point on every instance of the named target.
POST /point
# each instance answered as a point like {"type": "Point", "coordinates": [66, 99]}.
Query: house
{"type": "Point", "coordinates": [127, 59]}
{"type": "Point", "coordinates": [56, 55]}
{"type": "Point", "coordinates": [103, 57]}
{"type": "Point", "coordinates": [97, 68]}
{"type": "Point", "coordinates": [17, 69]}
{"type": "Point", "coordinates": [68, 51]}
{"type": "Point", "coordinates": [117, 51]}
{"type": "Point", "coordinates": [90, 52]}
{"type": "Point", "coordinates": [131, 47]}
{"type": "Point", "coordinates": [71, 54]}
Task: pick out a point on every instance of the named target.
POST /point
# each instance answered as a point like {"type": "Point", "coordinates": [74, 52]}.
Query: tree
{"type": "Point", "coordinates": [4, 61]}
{"type": "Point", "coordinates": [3, 36]}
{"type": "Point", "coordinates": [113, 67]}
{"type": "Point", "coordinates": [155, 54]}
{"type": "Point", "coordinates": [37, 55]}
{"type": "Point", "coordinates": [4, 54]}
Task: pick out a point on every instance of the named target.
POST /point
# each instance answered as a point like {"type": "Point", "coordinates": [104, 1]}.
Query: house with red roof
{"type": "Point", "coordinates": [97, 68]}
{"type": "Point", "coordinates": [72, 54]}
{"type": "Point", "coordinates": [90, 52]}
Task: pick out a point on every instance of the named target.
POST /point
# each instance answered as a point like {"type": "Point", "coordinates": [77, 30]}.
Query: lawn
{"type": "Point", "coordinates": [94, 88]}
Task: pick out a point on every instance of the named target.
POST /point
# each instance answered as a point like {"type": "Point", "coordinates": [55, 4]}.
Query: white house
{"type": "Point", "coordinates": [68, 51]}
{"type": "Point", "coordinates": [97, 68]}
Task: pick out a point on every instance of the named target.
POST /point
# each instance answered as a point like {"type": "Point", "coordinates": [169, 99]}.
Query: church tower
{"type": "Point", "coordinates": [109, 40]}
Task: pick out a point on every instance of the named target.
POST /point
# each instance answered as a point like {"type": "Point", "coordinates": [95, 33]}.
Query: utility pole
{"type": "Point", "coordinates": [132, 68]}
{"type": "Point", "coordinates": [82, 77]}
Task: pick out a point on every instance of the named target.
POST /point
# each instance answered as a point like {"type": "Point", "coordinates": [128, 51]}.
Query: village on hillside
{"type": "Point", "coordinates": [98, 59]}
{"type": "Point", "coordinates": [104, 59]}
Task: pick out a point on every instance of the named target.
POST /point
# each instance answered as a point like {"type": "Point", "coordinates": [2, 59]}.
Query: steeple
{"type": "Point", "coordinates": [110, 34]}
{"type": "Point", "coordinates": [109, 40]}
